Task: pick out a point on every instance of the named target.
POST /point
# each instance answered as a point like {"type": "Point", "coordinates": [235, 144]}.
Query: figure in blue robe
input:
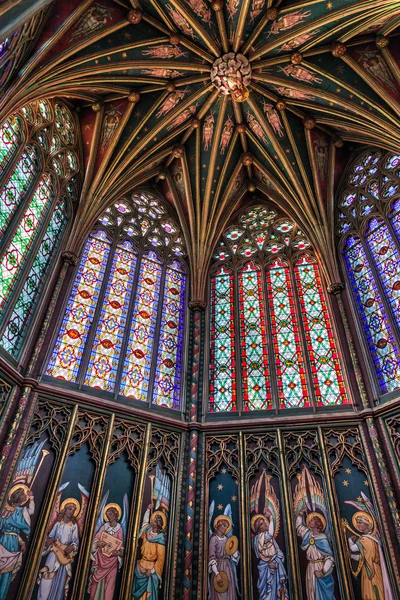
{"type": "Point", "coordinates": [320, 583]}
{"type": "Point", "coordinates": [15, 521]}
{"type": "Point", "coordinates": [272, 577]}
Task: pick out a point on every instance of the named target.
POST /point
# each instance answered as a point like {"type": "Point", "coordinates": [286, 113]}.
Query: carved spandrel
{"type": "Point", "coordinates": [222, 450]}
{"type": "Point", "coordinates": [129, 438]}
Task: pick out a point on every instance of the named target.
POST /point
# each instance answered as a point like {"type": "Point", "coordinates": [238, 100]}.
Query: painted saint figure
{"type": "Point", "coordinates": [319, 580]}
{"type": "Point", "coordinates": [272, 578]}
{"type": "Point", "coordinates": [312, 527]}
{"type": "Point", "coordinates": [367, 552]}
{"type": "Point", "coordinates": [223, 557]}
{"type": "Point", "coordinates": [107, 549]}
{"type": "Point", "coordinates": [61, 546]}
{"type": "Point", "coordinates": [15, 520]}
{"type": "Point", "coordinates": [149, 568]}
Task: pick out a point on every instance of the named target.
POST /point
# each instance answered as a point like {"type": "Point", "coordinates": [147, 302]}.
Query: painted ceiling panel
{"type": "Point", "coordinates": [217, 101]}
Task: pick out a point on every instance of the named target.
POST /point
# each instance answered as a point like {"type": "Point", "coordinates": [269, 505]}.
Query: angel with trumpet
{"type": "Point", "coordinates": [312, 526]}
{"type": "Point", "coordinates": [16, 514]}
{"type": "Point", "coordinates": [365, 551]}
{"type": "Point", "coordinates": [272, 577]}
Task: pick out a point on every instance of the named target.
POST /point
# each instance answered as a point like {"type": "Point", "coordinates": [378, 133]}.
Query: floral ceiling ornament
{"type": "Point", "coordinates": [231, 74]}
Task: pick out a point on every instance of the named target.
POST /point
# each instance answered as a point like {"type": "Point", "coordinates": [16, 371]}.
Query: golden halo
{"type": "Point", "coordinates": [315, 514]}
{"type": "Point", "coordinates": [255, 518]}
{"type": "Point", "coordinates": [116, 507]}
{"type": "Point", "coordinates": [223, 518]}
{"type": "Point", "coordinates": [163, 517]}
{"type": "Point", "coordinates": [19, 486]}
{"type": "Point", "coordinates": [73, 501]}
{"type": "Point", "coordinates": [365, 515]}
{"type": "Point", "coordinates": [231, 545]}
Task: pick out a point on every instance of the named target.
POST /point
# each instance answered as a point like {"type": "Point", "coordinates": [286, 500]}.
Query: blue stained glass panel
{"type": "Point", "coordinates": [384, 351]}
{"type": "Point", "coordinates": [169, 356]}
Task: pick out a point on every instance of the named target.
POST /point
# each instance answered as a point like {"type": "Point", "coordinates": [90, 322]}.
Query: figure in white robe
{"type": "Point", "coordinates": [54, 577]}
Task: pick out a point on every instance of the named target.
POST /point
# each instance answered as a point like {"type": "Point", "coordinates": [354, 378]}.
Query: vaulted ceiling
{"type": "Point", "coordinates": [218, 103]}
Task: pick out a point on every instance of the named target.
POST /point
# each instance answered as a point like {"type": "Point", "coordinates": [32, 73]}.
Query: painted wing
{"type": "Point", "coordinates": [272, 502]}
{"type": "Point", "coordinates": [125, 515]}
{"type": "Point", "coordinates": [211, 516]}
{"type": "Point", "coordinates": [100, 519]}
{"type": "Point", "coordinates": [255, 495]}
{"type": "Point", "coordinates": [56, 507]}
{"type": "Point", "coordinates": [228, 513]}
{"type": "Point", "coordinates": [82, 513]}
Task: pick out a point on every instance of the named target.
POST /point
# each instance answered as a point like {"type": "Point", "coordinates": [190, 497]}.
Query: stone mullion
{"type": "Point", "coordinates": [69, 259]}
{"type": "Point", "coordinates": [191, 466]}
{"type": "Point", "coordinates": [336, 290]}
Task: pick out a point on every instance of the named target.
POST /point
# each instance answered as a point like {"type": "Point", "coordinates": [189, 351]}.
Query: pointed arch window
{"type": "Point", "coordinates": [281, 330]}
{"type": "Point", "coordinates": [129, 293]}
{"type": "Point", "coordinates": [369, 225]}
{"type": "Point", "coordinates": [36, 200]}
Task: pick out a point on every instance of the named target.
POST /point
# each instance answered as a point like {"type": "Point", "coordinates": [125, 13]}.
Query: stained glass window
{"type": "Point", "coordinates": [34, 205]}
{"type": "Point", "coordinates": [10, 137]}
{"type": "Point", "coordinates": [379, 336]}
{"type": "Point", "coordinates": [288, 355]}
{"type": "Point", "coordinates": [372, 256]}
{"type": "Point", "coordinates": [16, 251]}
{"type": "Point", "coordinates": [106, 349]}
{"type": "Point", "coordinates": [17, 186]}
{"type": "Point", "coordinates": [290, 372]}
{"type": "Point", "coordinates": [169, 355]}
{"type": "Point", "coordinates": [136, 372]}
{"type": "Point", "coordinates": [24, 307]}
{"type": "Point", "coordinates": [67, 354]}
{"type": "Point", "coordinates": [222, 352]}
{"type": "Point", "coordinates": [122, 331]}
{"type": "Point", "coordinates": [253, 348]}
{"type": "Point", "coordinates": [325, 368]}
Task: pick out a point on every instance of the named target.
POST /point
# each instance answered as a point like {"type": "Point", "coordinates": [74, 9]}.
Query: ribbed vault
{"type": "Point", "coordinates": [302, 82]}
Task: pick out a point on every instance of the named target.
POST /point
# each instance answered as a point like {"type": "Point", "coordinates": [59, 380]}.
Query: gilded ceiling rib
{"type": "Point", "coordinates": [219, 15]}
{"type": "Point", "coordinates": [92, 153]}
{"type": "Point", "coordinates": [211, 165]}
{"type": "Point", "coordinates": [378, 89]}
{"type": "Point", "coordinates": [375, 17]}
{"type": "Point", "coordinates": [351, 89]}
{"type": "Point", "coordinates": [221, 181]}
{"type": "Point", "coordinates": [238, 39]}
{"type": "Point", "coordinates": [181, 218]}
{"type": "Point", "coordinates": [277, 148]}
{"type": "Point", "coordinates": [112, 145]}
{"type": "Point", "coordinates": [391, 63]}
{"type": "Point", "coordinates": [201, 32]}
{"type": "Point", "coordinates": [323, 21]}
{"type": "Point", "coordinates": [299, 161]}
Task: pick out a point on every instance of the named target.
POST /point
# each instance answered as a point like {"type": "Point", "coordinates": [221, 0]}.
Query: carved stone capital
{"type": "Point", "coordinates": [336, 288]}
{"type": "Point", "coordinates": [70, 258]}
{"type": "Point", "coordinates": [197, 305]}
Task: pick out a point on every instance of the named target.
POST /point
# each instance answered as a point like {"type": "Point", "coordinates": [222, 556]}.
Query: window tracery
{"type": "Point", "coordinates": [283, 337]}
{"type": "Point", "coordinates": [37, 188]}
{"type": "Point", "coordinates": [122, 331]}
{"type": "Point", "coordinates": [368, 224]}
